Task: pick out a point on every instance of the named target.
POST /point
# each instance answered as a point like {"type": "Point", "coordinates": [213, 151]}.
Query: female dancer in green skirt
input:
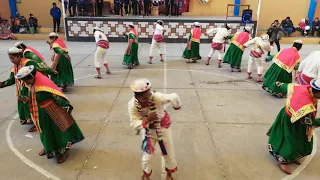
{"type": "Point", "coordinates": [61, 63]}
{"type": "Point", "coordinates": [51, 113]}
{"type": "Point", "coordinates": [19, 61]}
{"type": "Point", "coordinates": [131, 55]}
{"type": "Point", "coordinates": [281, 70]}
{"type": "Point", "coordinates": [290, 136]}
{"type": "Point", "coordinates": [192, 51]}
{"type": "Point", "coordinates": [235, 51]}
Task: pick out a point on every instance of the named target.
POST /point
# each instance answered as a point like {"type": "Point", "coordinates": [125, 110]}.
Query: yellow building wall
{"type": "Point", "coordinates": [270, 9]}
{"type": "Point", "coordinates": [39, 8]}
{"type": "Point", "coordinates": [5, 9]}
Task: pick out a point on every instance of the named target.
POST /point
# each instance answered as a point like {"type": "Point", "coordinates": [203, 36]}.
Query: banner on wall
{"type": "Point", "coordinates": [203, 2]}
{"type": "Point", "coordinates": [183, 6]}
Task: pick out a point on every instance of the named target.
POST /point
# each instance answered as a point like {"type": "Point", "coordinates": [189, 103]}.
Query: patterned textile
{"type": "Point", "coordinates": [255, 54]}
{"type": "Point", "coordinates": [217, 46]}
{"type": "Point", "coordinates": [103, 44]}
{"type": "Point", "coordinates": [59, 115]}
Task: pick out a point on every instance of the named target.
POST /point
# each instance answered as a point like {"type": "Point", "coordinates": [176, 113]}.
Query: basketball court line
{"type": "Point", "coordinates": [51, 176]}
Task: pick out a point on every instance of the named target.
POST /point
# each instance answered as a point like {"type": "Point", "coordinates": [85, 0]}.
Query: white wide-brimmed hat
{"type": "Point", "coordinates": [24, 71]}
{"type": "Point", "coordinates": [53, 34]}
{"type": "Point", "coordinates": [229, 26]}
{"type": "Point", "coordinates": [265, 37]}
{"type": "Point", "coordinates": [17, 44]}
{"type": "Point", "coordinates": [160, 21]}
{"type": "Point", "coordinates": [14, 50]}
{"type": "Point", "coordinates": [196, 23]}
{"type": "Point", "coordinates": [97, 28]}
{"type": "Point", "coordinates": [298, 41]}
{"type": "Point", "coordinates": [315, 84]}
{"type": "Point", "coordinates": [140, 85]}
{"type": "Point", "coordinates": [248, 28]}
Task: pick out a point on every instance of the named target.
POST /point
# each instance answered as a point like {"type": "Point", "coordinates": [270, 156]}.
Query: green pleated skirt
{"type": "Point", "coordinates": [233, 56]}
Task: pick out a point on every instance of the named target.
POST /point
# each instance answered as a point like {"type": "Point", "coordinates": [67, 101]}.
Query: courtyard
{"type": "Point", "coordinates": [219, 134]}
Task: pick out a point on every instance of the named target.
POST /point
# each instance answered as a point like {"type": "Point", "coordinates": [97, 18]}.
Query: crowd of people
{"type": "Point", "coordinates": [41, 100]}
{"type": "Point", "coordinates": [287, 27]}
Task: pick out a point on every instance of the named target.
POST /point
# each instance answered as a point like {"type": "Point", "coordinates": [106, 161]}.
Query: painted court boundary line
{"type": "Point", "coordinates": [51, 176]}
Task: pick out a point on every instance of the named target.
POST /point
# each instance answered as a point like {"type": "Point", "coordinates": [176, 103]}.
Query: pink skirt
{"type": "Point", "coordinates": [303, 79]}
{"type": "Point", "coordinates": [255, 54]}
{"type": "Point", "coordinates": [217, 46]}
{"type": "Point", "coordinates": [158, 37]}
{"type": "Point", "coordinates": [103, 44]}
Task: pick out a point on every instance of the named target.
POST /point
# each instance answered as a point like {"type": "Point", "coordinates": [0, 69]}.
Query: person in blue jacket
{"type": "Point", "coordinates": [55, 12]}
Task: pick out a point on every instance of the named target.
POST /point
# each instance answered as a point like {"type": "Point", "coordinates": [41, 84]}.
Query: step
{"type": "Point", "coordinates": [38, 36]}
{"type": "Point", "coordinates": [48, 30]}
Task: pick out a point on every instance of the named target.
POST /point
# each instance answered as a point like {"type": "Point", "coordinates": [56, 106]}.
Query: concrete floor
{"type": "Point", "coordinates": [220, 133]}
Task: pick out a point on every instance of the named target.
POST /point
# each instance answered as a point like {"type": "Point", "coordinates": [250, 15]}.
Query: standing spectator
{"type": "Point", "coordinates": [287, 26]}
{"type": "Point", "coordinates": [274, 34]}
{"type": "Point", "coordinates": [175, 8]}
{"type": "Point", "coordinates": [118, 7]}
{"type": "Point", "coordinates": [99, 7]}
{"type": "Point", "coordinates": [55, 12]}
{"type": "Point", "coordinates": [146, 6]}
{"type": "Point", "coordinates": [33, 23]}
{"type": "Point", "coordinates": [134, 4]}
{"type": "Point", "coordinates": [316, 27]}
{"type": "Point", "coordinates": [127, 6]}
{"type": "Point", "coordinates": [72, 7]}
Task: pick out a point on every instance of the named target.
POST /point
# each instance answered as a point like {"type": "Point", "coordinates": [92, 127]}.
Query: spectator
{"type": "Point", "coordinates": [1, 19]}
{"type": "Point", "coordinates": [118, 7]}
{"type": "Point", "coordinates": [72, 7]}
{"type": "Point", "coordinates": [304, 27]}
{"type": "Point", "coordinates": [55, 12]}
{"type": "Point", "coordinates": [287, 26]}
{"type": "Point", "coordinates": [5, 30]}
{"type": "Point", "coordinates": [33, 23]}
{"type": "Point", "coordinates": [23, 25]}
{"type": "Point", "coordinates": [274, 34]}
{"type": "Point", "coordinates": [316, 27]}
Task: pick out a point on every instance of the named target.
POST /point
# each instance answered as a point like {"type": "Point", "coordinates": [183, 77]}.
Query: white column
{"type": "Point", "coordinates": [258, 15]}
{"type": "Point", "coordinates": [64, 18]}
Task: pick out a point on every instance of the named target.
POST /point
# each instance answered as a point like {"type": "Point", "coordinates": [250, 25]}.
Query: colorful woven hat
{"type": "Point", "coordinates": [24, 71]}
{"type": "Point", "coordinates": [140, 85]}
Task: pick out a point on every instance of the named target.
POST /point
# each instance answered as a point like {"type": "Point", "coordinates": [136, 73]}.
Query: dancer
{"type": "Point", "coordinates": [19, 61]}
{"type": "Point", "coordinates": [259, 46]}
{"type": "Point", "coordinates": [157, 41]}
{"type": "Point", "coordinates": [147, 111]}
{"type": "Point", "coordinates": [131, 55]}
{"type": "Point", "coordinates": [235, 51]}
{"type": "Point", "coordinates": [51, 112]}
{"type": "Point", "coordinates": [61, 63]}
{"type": "Point", "coordinates": [281, 70]}
{"type": "Point", "coordinates": [100, 56]}
{"type": "Point", "coordinates": [290, 136]}
{"type": "Point", "coordinates": [218, 42]}
{"type": "Point", "coordinates": [31, 53]}
{"type": "Point", "coordinates": [192, 51]}
{"type": "Point", "coordinates": [309, 69]}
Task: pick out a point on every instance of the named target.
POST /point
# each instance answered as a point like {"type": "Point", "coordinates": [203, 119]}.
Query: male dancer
{"type": "Point", "coordinates": [101, 52]}
{"type": "Point", "coordinates": [157, 41]}
{"type": "Point", "coordinates": [218, 42]}
{"type": "Point", "coordinates": [259, 45]}
{"type": "Point", "coordinates": [309, 69]}
{"type": "Point", "coordinates": [147, 112]}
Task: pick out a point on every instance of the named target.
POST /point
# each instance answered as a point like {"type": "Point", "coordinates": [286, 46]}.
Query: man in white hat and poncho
{"type": "Point", "coordinates": [235, 51]}
{"type": "Point", "coordinates": [147, 112]}
{"type": "Point", "coordinates": [218, 42]}
{"type": "Point", "coordinates": [192, 51]}
{"type": "Point", "coordinates": [260, 45]}
{"type": "Point", "coordinates": [100, 56]}
{"type": "Point", "coordinates": [157, 41]}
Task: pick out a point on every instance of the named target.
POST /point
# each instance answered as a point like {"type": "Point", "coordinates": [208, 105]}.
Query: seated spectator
{"type": "Point", "coordinates": [304, 27]}
{"type": "Point", "coordinates": [33, 24]}
{"type": "Point", "coordinates": [287, 26]}
{"type": "Point", "coordinates": [23, 25]}
{"type": "Point", "coordinates": [315, 27]}
{"type": "Point", "coordinates": [1, 19]}
{"type": "Point", "coordinates": [5, 30]}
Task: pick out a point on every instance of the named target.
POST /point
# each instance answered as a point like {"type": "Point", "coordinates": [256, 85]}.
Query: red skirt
{"type": "Point", "coordinates": [303, 79]}
{"type": "Point", "coordinates": [158, 37]}
{"type": "Point", "coordinates": [217, 46]}
{"type": "Point", "coordinates": [103, 44]}
{"type": "Point", "coordinates": [255, 54]}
